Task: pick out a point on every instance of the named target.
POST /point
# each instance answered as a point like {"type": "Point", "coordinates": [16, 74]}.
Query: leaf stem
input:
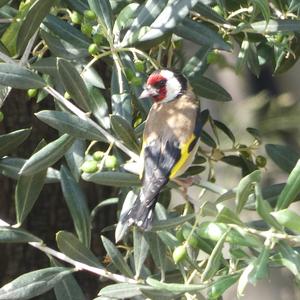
{"type": "Point", "coordinates": [71, 107]}
{"type": "Point", "coordinates": [77, 264]}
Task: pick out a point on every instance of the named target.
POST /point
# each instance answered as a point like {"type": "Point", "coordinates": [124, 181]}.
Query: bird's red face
{"type": "Point", "coordinates": [162, 86]}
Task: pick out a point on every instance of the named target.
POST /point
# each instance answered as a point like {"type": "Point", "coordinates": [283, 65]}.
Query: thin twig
{"type": "Point", "coordinates": [110, 138]}
{"type": "Point", "coordinates": [25, 56]}
{"type": "Point", "coordinates": [77, 264]}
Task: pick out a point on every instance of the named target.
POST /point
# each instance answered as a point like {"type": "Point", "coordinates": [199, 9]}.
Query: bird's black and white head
{"type": "Point", "coordinates": [164, 86]}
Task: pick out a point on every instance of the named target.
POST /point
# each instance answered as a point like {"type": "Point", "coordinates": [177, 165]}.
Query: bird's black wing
{"type": "Point", "coordinates": [159, 159]}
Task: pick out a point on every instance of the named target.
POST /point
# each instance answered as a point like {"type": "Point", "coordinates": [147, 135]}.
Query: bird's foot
{"type": "Point", "coordinates": [184, 183]}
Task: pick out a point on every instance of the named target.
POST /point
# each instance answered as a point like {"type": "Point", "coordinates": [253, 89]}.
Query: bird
{"type": "Point", "coordinates": [170, 140]}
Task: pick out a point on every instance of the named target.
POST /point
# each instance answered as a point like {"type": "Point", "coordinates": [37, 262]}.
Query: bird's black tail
{"type": "Point", "coordinates": [140, 214]}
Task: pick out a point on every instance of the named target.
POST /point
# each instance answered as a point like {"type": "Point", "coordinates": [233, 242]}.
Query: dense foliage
{"type": "Point", "coordinates": [91, 57]}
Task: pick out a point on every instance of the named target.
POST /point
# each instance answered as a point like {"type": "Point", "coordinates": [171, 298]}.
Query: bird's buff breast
{"type": "Point", "coordinates": [169, 120]}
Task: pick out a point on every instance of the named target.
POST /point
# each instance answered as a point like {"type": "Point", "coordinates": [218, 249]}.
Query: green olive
{"type": "Point", "coordinates": [86, 29]}
{"type": "Point", "coordinates": [89, 166]}
{"type": "Point", "coordinates": [32, 93]}
{"type": "Point", "coordinates": [97, 38]}
{"type": "Point", "coordinates": [260, 161]}
{"type": "Point", "coordinates": [76, 17]}
{"type": "Point", "coordinates": [111, 162]}
{"type": "Point", "coordinates": [93, 49]}
{"type": "Point", "coordinates": [98, 155]}
{"type": "Point", "coordinates": [1, 116]}
{"type": "Point", "coordinates": [139, 66]}
{"type": "Point", "coordinates": [179, 254]}
{"type": "Point", "coordinates": [90, 15]}
{"type": "Point", "coordinates": [137, 81]}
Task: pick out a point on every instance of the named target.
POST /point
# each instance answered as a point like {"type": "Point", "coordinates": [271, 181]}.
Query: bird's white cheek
{"type": "Point", "coordinates": [173, 88]}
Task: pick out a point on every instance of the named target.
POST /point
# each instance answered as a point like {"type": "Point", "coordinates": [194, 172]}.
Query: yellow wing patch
{"type": "Point", "coordinates": [183, 158]}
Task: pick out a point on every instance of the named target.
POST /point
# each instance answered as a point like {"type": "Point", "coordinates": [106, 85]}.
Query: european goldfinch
{"type": "Point", "coordinates": [170, 140]}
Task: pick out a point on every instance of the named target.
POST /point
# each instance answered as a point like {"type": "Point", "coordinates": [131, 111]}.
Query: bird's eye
{"type": "Point", "coordinates": [160, 83]}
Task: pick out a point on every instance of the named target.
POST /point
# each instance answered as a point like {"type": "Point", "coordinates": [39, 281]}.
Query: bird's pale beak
{"type": "Point", "coordinates": [148, 92]}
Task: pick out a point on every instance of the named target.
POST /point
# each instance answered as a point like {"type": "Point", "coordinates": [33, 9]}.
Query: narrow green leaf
{"type": "Point", "coordinates": [92, 78]}
{"type": "Point", "coordinates": [158, 251]}
{"type": "Point", "coordinates": [122, 290]}
{"type": "Point", "coordinates": [103, 10]}
{"type": "Point", "coordinates": [61, 48]}
{"type": "Point", "coordinates": [10, 141]}
{"type": "Point", "coordinates": [148, 13]}
{"type": "Point", "coordinates": [66, 122]}
{"type": "Point", "coordinates": [46, 65]}
{"type": "Point", "coordinates": [166, 20]}
{"type": "Point", "coordinates": [283, 155]}
{"type": "Point", "coordinates": [260, 266]}
{"type": "Point", "coordinates": [75, 157]}
{"type": "Point", "coordinates": [34, 283]}
{"type": "Point", "coordinates": [11, 167]}
{"type": "Point", "coordinates": [116, 257]}
{"type": "Point", "coordinates": [116, 179]}
{"type": "Point", "coordinates": [275, 26]}
{"type": "Point", "coordinates": [28, 189]}
{"type": "Point", "coordinates": [168, 239]}
{"type": "Point", "coordinates": [244, 189]}
{"type": "Point", "coordinates": [194, 240]}
{"type": "Point", "coordinates": [290, 258]}
{"type": "Point", "coordinates": [206, 11]}
{"type": "Point", "coordinates": [47, 156]}
{"type": "Point", "coordinates": [256, 270]}
{"type": "Point", "coordinates": [225, 129]}
{"type": "Point", "coordinates": [121, 104]}
{"type": "Point", "coordinates": [67, 288]}
{"type": "Point", "coordinates": [125, 132]}
{"type": "Point", "coordinates": [207, 139]}
{"type": "Point", "coordinates": [264, 209]}
{"type": "Point", "coordinates": [140, 250]}
{"type": "Point", "coordinates": [73, 83]}
{"type": "Point", "coordinates": [239, 236]}
{"type": "Point", "coordinates": [207, 88]}
{"type": "Point", "coordinates": [66, 31]}
{"type": "Point", "coordinates": [125, 17]}
{"type": "Point", "coordinates": [217, 289]}
{"type": "Point", "coordinates": [16, 235]}
{"type": "Point", "coordinates": [227, 216]}
{"type": "Point", "coordinates": [159, 294]}
{"type": "Point", "coordinates": [30, 25]}
{"type": "Point", "coordinates": [19, 77]}
{"type": "Point", "coordinates": [197, 64]}
{"type": "Point", "coordinates": [288, 219]}
{"type": "Point", "coordinates": [175, 287]}
{"type": "Point", "coordinates": [200, 34]}
{"type": "Point", "coordinates": [263, 6]}
{"type": "Point", "coordinates": [99, 107]}
{"type": "Point", "coordinates": [79, 5]}
{"type": "Point", "coordinates": [121, 228]}
{"type": "Point", "coordinates": [77, 204]}
{"type": "Point", "coordinates": [291, 189]}
{"type": "Point", "coordinates": [171, 222]}
{"type": "Point", "coordinates": [73, 248]}
{"type": "Point", "coordinates": [214, 259]}
{"type": "Point", "coordinates": [104, 203]}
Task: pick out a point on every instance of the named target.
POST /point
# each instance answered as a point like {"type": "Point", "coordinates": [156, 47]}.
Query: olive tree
{"type": "Point", "coordinates": [91, 58]}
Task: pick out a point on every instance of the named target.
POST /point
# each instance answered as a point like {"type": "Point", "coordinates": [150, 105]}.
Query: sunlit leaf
{"type": "Point", "coordinates": [116, 257]}
{"type": "Point", "coordinates": [77, 204]}
{"type": "Point", "coordinates": [47, 156]}
{"type": "Point", "coordinates": [10, 141]}
{"type": "Point", "coordinates": [33, 283]}
{"type": "Point", "coordinates": [19, 77]}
